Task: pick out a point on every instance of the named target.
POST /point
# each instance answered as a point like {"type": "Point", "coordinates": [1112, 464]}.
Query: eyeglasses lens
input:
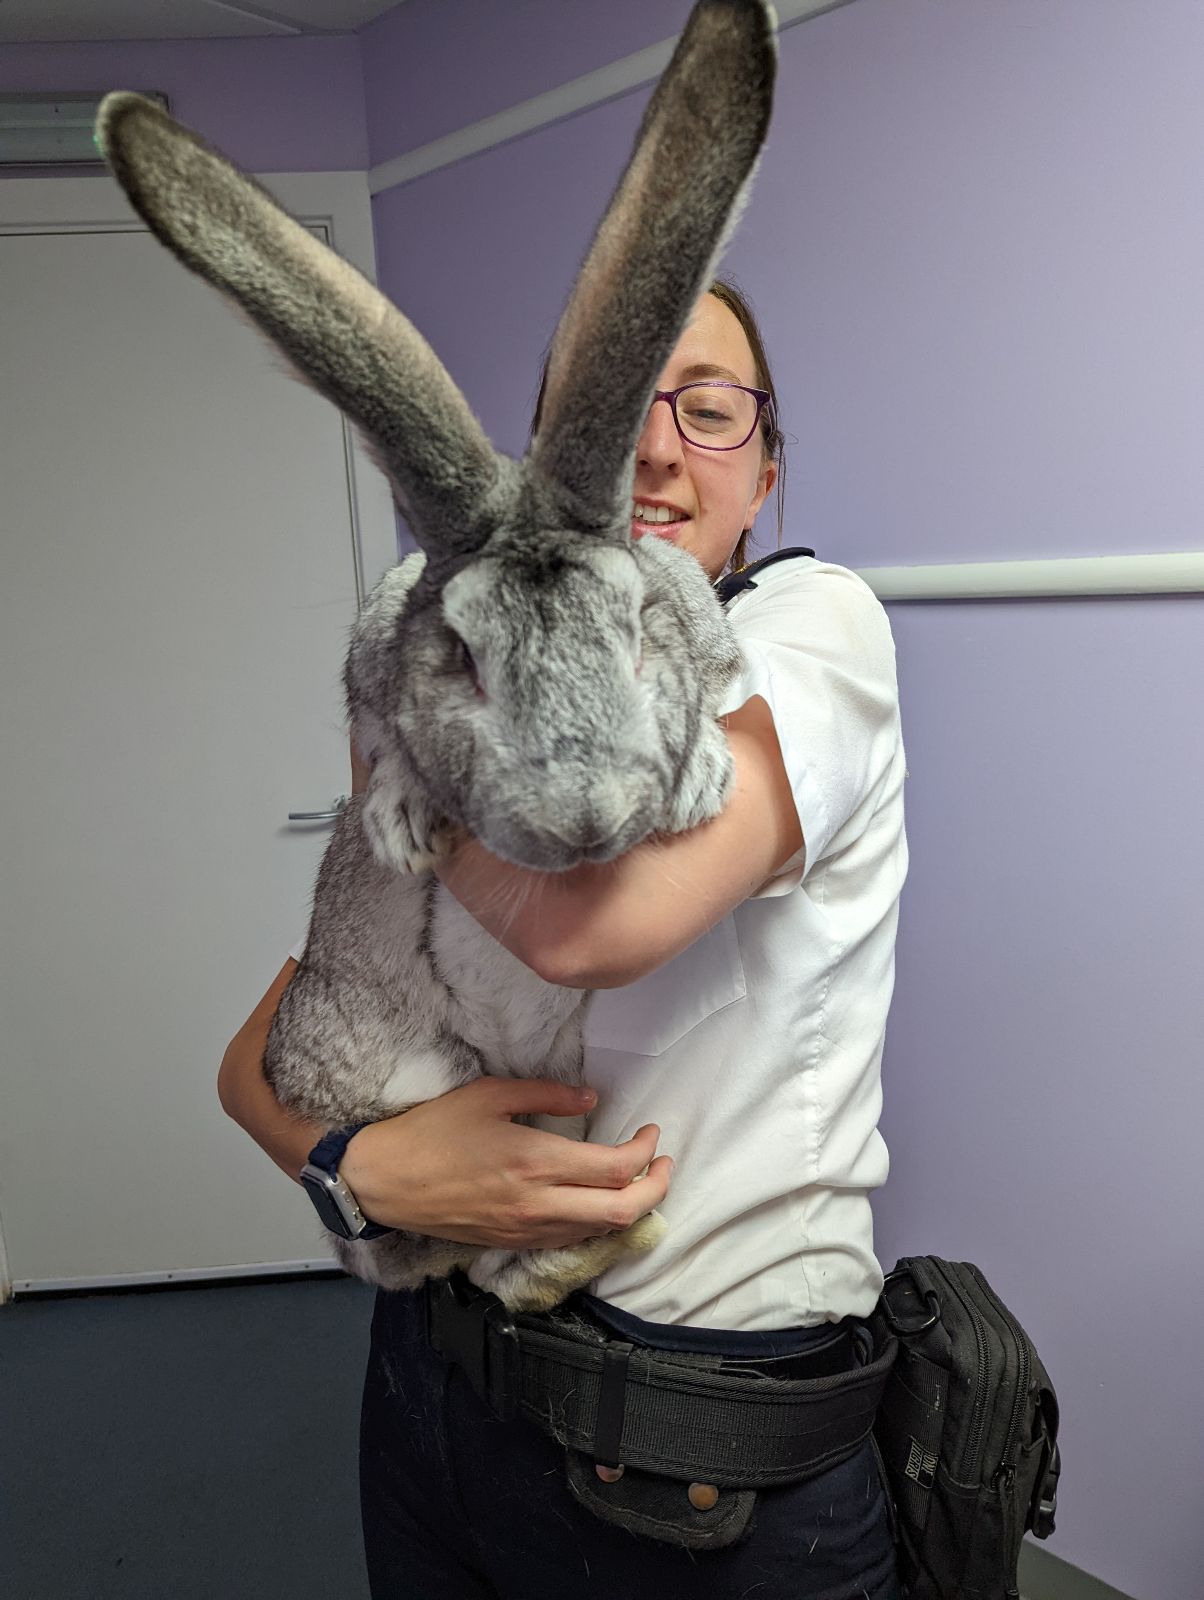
{"type": "Point", "coordinates": [715, 416]}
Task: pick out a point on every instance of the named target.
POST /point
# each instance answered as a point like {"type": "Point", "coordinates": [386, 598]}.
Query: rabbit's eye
{"type": "Point", "coordinates": [469, 664]}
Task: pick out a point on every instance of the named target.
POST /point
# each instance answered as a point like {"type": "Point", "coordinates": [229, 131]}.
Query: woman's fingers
{"type": "Point", "coordinates": [603, 1209]}
{"type": "Point", "coordinates": [603, 1166]}
{"type": "Point", "coordinates": [595, 1188]}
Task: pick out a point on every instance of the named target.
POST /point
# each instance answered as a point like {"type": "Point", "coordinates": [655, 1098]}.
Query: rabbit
{"type": "Point", "coordinates": [533, 675]}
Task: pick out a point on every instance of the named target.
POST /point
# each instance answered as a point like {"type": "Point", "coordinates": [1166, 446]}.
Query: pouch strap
{"type": "Point", "coordinates": [1045, 1500]}
{"type": "Point", "coordinates": [612, 1403]}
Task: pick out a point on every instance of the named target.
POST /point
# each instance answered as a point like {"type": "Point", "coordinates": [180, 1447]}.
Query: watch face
{"type": "Point", "coordinates": [327, 1206]}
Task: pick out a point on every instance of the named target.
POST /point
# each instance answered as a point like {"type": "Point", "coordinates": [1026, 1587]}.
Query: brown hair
{"type": "Point", "coordinates": [773, 441]}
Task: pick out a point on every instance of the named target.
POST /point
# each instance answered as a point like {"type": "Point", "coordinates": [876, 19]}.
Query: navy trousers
{"type": "Point", "coordinates": [459, 1505]}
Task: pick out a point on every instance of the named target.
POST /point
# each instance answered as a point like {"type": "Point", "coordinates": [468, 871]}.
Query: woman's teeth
{"type": "Point", "coordinates": [643, 513]}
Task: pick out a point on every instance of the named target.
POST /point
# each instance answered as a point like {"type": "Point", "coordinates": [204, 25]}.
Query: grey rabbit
{"type": "Point", "coordinates": [535, 675]}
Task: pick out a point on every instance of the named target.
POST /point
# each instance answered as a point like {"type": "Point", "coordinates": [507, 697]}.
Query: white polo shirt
{"type": "Point", "coordinates": [757, 1051]}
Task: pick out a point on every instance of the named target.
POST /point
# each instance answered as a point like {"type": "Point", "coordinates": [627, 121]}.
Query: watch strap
{"type": "Point", "coordinates": [327, 1154]}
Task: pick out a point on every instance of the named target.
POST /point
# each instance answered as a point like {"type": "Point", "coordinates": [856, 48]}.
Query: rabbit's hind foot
{"type": "Point", "coordinates": [538, 1280]}
{"type": "Point", "coordinates": [644, 1233]}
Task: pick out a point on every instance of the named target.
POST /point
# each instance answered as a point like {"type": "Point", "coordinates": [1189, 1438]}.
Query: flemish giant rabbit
{"type": "Point", "coordinates": [534, 675]}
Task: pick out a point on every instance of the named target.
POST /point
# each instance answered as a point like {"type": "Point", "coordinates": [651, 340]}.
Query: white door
{"type": "Point", "coordinates": [183, 529]}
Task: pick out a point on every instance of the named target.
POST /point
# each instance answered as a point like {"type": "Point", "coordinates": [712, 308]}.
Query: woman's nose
{"type": "Point", "coordinates": [660, 442]}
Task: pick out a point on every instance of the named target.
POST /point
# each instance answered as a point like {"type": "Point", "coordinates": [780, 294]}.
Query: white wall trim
{"type": "Point", "coordinates": [566, 100]}
{"type": "Point", "coordinates": [139, 1280]}
{"type": "Point", "coordinates": [1179, 572]}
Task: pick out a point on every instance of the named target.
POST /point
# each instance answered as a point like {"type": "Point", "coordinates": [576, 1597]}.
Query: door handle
{"type": "Point", "coordinates": [340, 801]}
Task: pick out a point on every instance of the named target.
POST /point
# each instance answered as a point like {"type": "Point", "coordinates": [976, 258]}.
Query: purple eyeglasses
{"type": "Point", "coordinates": [726, 412]}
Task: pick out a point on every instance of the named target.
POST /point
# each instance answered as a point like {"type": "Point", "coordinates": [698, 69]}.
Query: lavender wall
{"type": "Point", "coordinates": [273, 105]}
{"type": "Point", "coordinates": [976, 247]}
{"type": "Point", "coordinates": [432, 66]}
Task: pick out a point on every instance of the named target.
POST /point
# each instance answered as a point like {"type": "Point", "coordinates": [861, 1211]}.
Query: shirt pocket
{"type": "Point", "coordinates": [646, 1017]}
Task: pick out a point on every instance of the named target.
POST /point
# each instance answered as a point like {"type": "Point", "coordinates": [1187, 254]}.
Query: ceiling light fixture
{"type": "Point", "coordinates": [48, 130]}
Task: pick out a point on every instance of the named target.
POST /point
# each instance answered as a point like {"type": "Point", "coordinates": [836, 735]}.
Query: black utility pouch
{"type": "Point", "coordinates": [968, 1433]}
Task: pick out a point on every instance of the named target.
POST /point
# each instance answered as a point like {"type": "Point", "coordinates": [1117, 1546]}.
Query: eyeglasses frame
{"type": "Point", "coordinates": [761, 396]}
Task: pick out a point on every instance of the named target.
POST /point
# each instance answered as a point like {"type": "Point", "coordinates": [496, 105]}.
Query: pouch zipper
{"type": "Point", "coordinates": [1022, 1383]}
{"type": "Point", "coordinates": [1003, 1484]}
{"type": "Point", "coordinates": [974, 1446]}
{"type": "Point", "coordinates": [1005, 1474]}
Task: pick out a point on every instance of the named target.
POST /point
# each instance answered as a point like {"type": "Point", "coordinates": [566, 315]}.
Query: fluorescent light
{"type": "Point", "coordinates": [43, 130]}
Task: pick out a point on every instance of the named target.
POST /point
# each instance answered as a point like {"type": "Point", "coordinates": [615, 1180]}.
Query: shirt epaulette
{"type": "Point", "coordinates": [734, 582]}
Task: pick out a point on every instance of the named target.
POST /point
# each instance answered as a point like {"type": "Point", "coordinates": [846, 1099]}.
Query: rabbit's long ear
{"type": "Point", "coordinates": [339, 332]}
{"type": "Point", "coordinates": [655, 251]}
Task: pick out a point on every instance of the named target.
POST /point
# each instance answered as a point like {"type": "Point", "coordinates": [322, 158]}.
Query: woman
{"type": "Point", "coordinates": [744, 972]}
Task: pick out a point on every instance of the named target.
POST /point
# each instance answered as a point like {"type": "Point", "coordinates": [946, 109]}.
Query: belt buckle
{"type": "Point", "coordinates": [459, 1316]}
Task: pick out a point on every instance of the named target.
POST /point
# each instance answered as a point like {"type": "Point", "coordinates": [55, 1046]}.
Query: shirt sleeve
{"type": "Point", "coordinates": [817, 647]}
{"type": "Point", "coordinates": [298, 950]}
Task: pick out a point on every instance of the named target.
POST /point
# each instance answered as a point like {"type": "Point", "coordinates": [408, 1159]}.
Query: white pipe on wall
{"type": "Point", "coordinates": [1178, 572]}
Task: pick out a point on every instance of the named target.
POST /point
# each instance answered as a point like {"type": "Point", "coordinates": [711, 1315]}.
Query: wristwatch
{"type": "Point", "coordinates": [333, 1200]}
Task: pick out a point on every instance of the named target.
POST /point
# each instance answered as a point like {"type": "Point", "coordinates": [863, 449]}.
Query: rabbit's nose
{"type": "Point", "coordinates": [603, 849]}
{"type": "Point", "coordinates": [593, 839]}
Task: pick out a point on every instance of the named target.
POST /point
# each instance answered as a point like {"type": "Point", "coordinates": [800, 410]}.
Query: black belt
{"type": "Point", "coordinates": [684, 1415]}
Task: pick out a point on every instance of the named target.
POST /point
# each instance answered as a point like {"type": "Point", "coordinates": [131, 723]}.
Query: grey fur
{"type": "Point", "coordinates": [534, 676]}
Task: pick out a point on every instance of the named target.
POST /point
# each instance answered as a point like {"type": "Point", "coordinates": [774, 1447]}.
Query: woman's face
{"type": "Point", "coordinates": [718, 492]}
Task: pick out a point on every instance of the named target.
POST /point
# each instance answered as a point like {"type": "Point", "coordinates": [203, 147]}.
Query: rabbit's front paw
{"type": "Point", "coordinates": [705, 784]}
{"type": "Point", "coordinates": [405, 832]}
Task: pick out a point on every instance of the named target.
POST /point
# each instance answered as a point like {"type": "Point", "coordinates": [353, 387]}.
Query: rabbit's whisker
{"type": "Point", "coordinates": [659, 856]}
{"type": "Point", "coordinates": [510, 896]}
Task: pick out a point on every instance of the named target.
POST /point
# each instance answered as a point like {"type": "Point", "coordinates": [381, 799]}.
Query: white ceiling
{"type": "Point", "coordinates": [84, 21]}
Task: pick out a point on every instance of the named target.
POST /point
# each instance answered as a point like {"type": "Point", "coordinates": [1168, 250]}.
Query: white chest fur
{"type": "Point", "coordinates": [507, 1011]}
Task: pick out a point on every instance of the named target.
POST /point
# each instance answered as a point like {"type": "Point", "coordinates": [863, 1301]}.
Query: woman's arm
{"type": "Point", "coordinates": [360, 771]}
{"type": "Point", "coordinates": [602, 926]}
{"type": "Point", "coordinates": [247, 1096]}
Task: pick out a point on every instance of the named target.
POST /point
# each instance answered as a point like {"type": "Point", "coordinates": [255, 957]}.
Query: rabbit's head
{"type": "Point", "coordinates": [552, 682]}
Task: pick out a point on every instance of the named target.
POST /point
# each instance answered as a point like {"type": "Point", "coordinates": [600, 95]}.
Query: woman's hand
{"type": "Point", "coordinates": [458, 1168]}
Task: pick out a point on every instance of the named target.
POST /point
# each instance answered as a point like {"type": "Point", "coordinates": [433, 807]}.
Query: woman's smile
{"type": "Point", "coordinates": [660, 517]}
